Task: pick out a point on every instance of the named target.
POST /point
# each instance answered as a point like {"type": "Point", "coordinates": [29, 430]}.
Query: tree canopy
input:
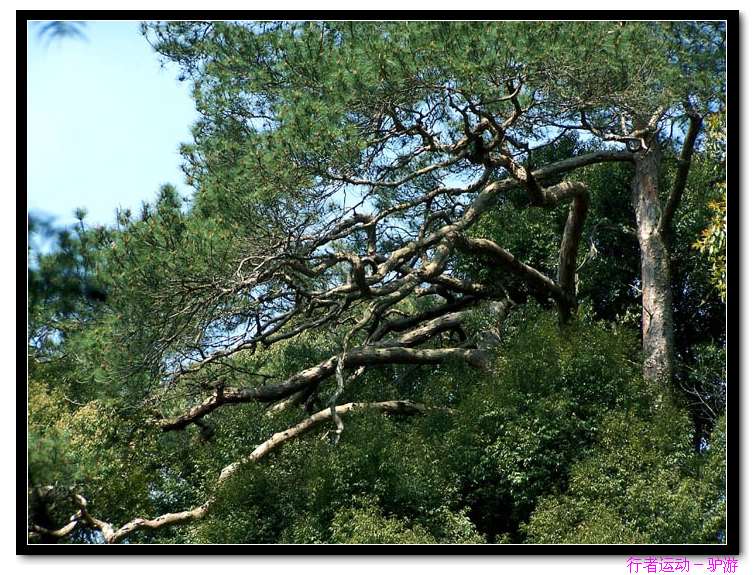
{"type": "Point", "coordinates": [438, 282]}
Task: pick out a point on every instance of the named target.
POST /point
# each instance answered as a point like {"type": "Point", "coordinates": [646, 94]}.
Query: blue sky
{"type": "Point", "coordinates": [104, 122]}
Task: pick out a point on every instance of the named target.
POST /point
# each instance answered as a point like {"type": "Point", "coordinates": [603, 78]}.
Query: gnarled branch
{"type": "Point", "coordinates": [113, 535]}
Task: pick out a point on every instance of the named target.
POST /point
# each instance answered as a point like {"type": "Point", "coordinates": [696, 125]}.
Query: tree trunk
{"type": "Point", "coordinates": [657, 320]}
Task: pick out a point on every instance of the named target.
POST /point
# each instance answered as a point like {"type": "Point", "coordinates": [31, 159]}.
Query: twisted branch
{"type": "Point", "coordinates": [111, 534]}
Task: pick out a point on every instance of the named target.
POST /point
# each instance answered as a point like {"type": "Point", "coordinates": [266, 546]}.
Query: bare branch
{"type": "Point", "coordinates": [682, 171]}
{"type": "Point", "coordinates": [113, 535]}
{"type": "Point", "coordinates": [356, 357]}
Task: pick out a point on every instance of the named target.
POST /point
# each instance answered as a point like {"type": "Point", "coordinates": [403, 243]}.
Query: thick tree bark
{"type": "Point", "coordinates": [657, 320]}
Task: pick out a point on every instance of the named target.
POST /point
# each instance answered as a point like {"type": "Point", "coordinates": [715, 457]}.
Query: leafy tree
{"type": "Point", "coordinates": [640, 484]}
{"type": "Point", "coordinates": [712, 241]}
{"type": "Point", "coordinates": [457, 250]}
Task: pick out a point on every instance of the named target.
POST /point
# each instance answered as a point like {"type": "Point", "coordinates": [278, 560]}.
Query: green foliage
{"type": "Point", "coordinates": [712, 240]}
{"type": "Point", "coordinates": [515, 444]}
{"type": "Point", "coordinates": [66, 283]}
{"type": "Point", "coordinates": [50, 460]}
{"type": "Point", "coordinates": [445, 477]}
{"type": "Point", "coordinates": [712, 243]}
{"type": "Point", "coordinates": [366, 524]}
{"type": "Point", "coordinates": [558, 440]}
{"type": "Point", "coordinates": [526, 425]}
{"type": "Point", "coordinates": [314, 101]}
{"type": "Point", "coordinates": [640, 484]}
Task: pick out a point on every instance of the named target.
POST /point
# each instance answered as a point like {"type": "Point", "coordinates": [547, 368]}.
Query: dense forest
{"type": "Point", "coordinates": [440, 282]}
